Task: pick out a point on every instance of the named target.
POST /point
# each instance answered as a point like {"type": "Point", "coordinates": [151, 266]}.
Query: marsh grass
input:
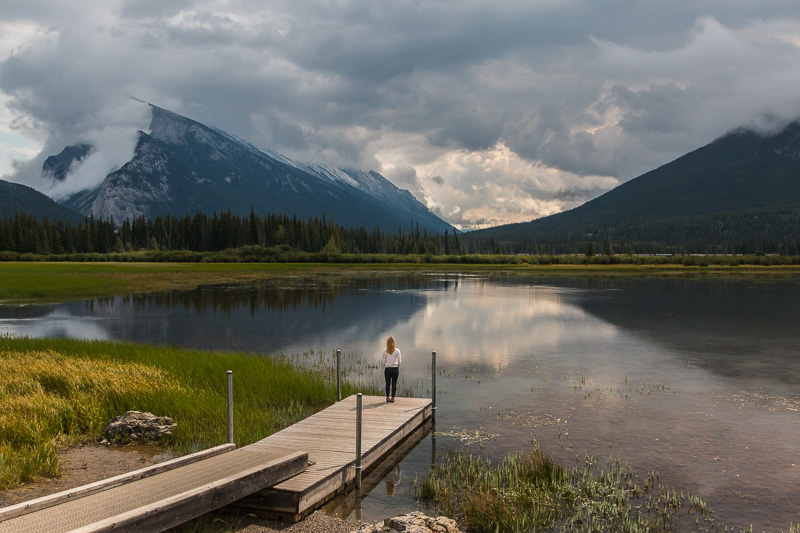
{"type": "Point", "coordinates": [22, 282]}
{"type": "Point", "coordinates": [55, 392]}
{"type": "Point", "coordinates": [48, 398]}
{"type": "Point", "coordinates": [34, 282]}
{"type": "Point", "coordinates": [530, 492]}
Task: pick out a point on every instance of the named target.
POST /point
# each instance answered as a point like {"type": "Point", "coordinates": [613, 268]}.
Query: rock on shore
{"type": "Point", "coordinates": [415, 522]}
{"type": "Point", "coordinates": [138, 427]}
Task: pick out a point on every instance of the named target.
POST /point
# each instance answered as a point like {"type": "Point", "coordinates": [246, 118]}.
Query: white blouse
{"type": "Point", "coordinates": [391, 360]}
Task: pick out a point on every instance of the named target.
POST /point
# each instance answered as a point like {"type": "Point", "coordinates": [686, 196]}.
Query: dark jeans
{"type": "Point", "coordinates": [391, 375]}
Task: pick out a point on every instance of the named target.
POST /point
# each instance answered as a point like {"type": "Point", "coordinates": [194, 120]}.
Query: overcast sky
{"type": "Point", "coordinates": [488, 111]}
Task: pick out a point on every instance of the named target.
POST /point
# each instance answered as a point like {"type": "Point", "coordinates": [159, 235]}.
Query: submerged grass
{"type": "Point", "coordinates": [60, 391]}
{"type": "Point", "coordinates": [530, 492]}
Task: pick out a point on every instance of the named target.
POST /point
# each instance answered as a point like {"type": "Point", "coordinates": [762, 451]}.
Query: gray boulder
{"type": "Point", "coordinates": [135, 426]}
{"type": "Point", "coordinates": [415, 522]}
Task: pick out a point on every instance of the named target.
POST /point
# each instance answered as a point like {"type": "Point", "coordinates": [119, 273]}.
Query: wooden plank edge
{"type": "Point", "coordinates": [292, 510]}
{"type": "Point", "coordinates": [311, 499]}
{"type": "Point", "coordinates": [196, 502]}
{"type": "Point", "coordinates": [369, 455]}
{"type": "Point", "coordinates": [50, 500]}
{"type": "Point", "coordinates": [264, 505]}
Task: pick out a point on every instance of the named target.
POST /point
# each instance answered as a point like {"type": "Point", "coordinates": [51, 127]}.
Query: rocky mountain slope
{"type": "Point", "coordinates": [183, 166]}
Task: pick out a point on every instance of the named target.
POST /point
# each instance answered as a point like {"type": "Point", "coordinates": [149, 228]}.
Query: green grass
{"type": "Point", "coordinates": [55, 392]}
{"type": "Point", "coordinates": [525, 493]}
{"type": "Point", "coordinates": [24, 282]}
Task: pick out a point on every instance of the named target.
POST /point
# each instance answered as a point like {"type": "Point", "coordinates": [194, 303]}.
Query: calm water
{"type": "Point", "coordinates": [698, 378]}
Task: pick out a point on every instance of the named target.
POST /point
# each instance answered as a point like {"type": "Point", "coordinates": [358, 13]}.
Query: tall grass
{"type": "Point", "coordinates": [48, 398]}
{"type": "Point", "coordinates": [532, 493]}
{"type": "Point", "coordinates": [59, 391]}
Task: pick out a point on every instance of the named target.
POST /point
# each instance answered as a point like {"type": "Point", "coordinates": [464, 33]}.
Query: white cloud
{"type": "Point", "coordinates": [496, 186]}
{"type": "Point", "coordinates": [112, 133]}
{"type": "Point", "coordinates": [490, 112]}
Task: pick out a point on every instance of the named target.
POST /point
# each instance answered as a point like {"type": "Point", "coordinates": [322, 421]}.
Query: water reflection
{"type": "Point", "coordinates": [737, 328]}
{"type": "Point", "coordinates": [49, 321]}
{"type": "Point", "coordinates": [280, 295]}
{"type": "Point", "coordinates": [699, 378]}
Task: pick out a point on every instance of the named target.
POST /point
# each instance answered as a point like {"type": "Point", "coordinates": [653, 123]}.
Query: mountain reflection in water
{"type": "Point", "coordinates": [696, 377]}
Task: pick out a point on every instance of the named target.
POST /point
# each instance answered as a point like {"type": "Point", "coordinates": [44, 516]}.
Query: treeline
{"type": "Point", "coordinates": [25, 234]}
{"type": "Point", "coordinates": [279, 238]}
{"type": "Point", "coordinates": [775, 232]}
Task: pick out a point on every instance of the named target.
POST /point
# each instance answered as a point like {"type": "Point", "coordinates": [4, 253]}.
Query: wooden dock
{"type": "Point", "coordinates": [286, 475]}
{"type": "Point", "coordinates": [329, 439]}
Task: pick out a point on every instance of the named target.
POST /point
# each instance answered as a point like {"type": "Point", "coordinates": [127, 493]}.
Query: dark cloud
{"type": "Point", "coordinates": [152, 9]}
{"type": "Point", "coordinates": [487, 111]}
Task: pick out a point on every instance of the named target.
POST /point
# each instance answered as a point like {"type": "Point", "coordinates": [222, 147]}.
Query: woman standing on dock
{"type": "Point", "coordinates": [391, 360]}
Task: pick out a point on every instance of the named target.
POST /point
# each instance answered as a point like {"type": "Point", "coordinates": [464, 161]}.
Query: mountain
{"type": "Point", "coordinates": [17, 197]}
{"type": "Point", "coordinates": [744, 186]}
{"type": "Point", "coordinates": [183, 166]}
{"type": "Point", "coordinates": [56, 167]}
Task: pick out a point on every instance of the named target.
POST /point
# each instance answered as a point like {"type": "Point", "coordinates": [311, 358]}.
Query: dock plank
{"type": "Point", "coordinates": [165, 499]}
{"type": "Point", "coordinates": [270, 477]}
{"type": "Point", "coordinates": [329, 439]}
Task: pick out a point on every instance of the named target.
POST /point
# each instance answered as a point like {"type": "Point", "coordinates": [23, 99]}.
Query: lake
{"type": "Point", "coordinates": [696, 377]}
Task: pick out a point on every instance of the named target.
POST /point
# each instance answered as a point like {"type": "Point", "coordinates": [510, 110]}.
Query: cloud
{"type": "Point", "coordinates": [562, 100]}
{"type": "Point", "coordinates": [478, 189]}
{"type": "Point", "coordinates": [112, 132]}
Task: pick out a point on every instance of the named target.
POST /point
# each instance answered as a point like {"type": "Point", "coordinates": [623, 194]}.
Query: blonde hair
{"type": "Point", "coordinates": [390, 345]}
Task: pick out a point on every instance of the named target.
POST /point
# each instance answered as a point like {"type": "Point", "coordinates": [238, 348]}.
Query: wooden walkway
{"type": "Point", "coordinates": [286, 475]}
{"type": "Point", "coordinates": [329, 439]}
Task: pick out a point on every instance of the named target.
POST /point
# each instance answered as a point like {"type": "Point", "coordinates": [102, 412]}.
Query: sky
{"type": "Point", "coordinates": [488, 111]}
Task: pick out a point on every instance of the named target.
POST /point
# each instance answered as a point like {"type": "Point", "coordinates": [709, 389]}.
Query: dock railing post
{"type": "Point", "coordinates": [338, 375]}
{"type": "Point", "coordinates": [433, 384]}
{"type": "Point", "coordinates": [358, 440]}
{"type": "Point", "coordinates": [230, 406]}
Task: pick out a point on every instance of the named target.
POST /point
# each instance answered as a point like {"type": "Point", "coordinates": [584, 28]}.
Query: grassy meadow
{"type": "Point", "coordinates": [27, 282]}
{"type": "Point", "coordinates": [39, 281]}
{"type": "Point", "coordinates": [59, 392]}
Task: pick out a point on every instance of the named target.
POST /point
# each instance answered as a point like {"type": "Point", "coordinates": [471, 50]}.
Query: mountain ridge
{"type": "Point", "coordinates": [741, 178]}
{"type": "Point", "coordinates": [181, 166]}
{"type": "Point", "coordinates": [18, 197]}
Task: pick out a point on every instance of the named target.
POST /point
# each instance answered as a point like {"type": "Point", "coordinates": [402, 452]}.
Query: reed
{"type": "Point", "coordinates": [55, 392]}
{"type": "Point", "coordinates": [530, 492]}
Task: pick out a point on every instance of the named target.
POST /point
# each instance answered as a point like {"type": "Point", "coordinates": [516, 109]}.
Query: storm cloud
{"type": "Point", "coordinates": [489, 112]}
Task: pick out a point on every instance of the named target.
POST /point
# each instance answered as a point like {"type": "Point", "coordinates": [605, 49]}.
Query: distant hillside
{"type": "Point", "coordinates": [182, 166]}
{"type": "Point", "coordinates": [739, 194]}
{"type": "Point", "coordinates": [14, 196]}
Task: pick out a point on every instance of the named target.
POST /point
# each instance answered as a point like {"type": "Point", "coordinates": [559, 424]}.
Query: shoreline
{"type": "Point", "coordinates": [54, 282]}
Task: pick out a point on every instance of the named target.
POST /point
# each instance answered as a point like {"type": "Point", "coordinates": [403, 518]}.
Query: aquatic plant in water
{"type": "Point", "coordinates": [530, 492]}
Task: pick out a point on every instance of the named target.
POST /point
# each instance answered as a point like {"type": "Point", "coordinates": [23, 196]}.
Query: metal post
{"type": "Point", "coordinates": [230, 406]}
{"type": "Point", "coordinates": [433, 443]}
{"type": "Point", "coordinates": [358, 440]}
{"type": "Point", "coordinates": [338, 375]}
{"type": "Point", "coordinates": [433, 384]}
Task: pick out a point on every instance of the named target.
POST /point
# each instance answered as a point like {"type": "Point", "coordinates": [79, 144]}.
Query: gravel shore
{"type": "Point", "coordinates": [317, 522]}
